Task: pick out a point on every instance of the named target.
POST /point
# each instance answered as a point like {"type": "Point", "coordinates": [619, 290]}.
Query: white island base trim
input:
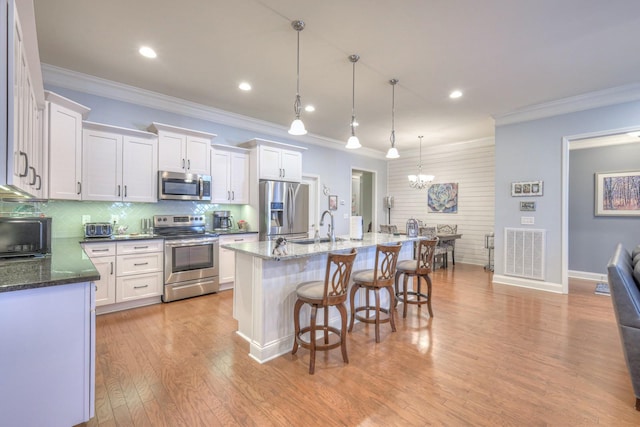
{"type": "Point", "coordinates": [265, 293]}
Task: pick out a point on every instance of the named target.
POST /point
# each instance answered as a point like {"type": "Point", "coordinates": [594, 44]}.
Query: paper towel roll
{"type": "Point", "coordinates": [356, 228]}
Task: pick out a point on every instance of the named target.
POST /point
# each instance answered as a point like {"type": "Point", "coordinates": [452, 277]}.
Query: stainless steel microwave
{"type": "Point", "coordinates": [183, 186]}
{"type": "Point", "coordinates": [24, 236]}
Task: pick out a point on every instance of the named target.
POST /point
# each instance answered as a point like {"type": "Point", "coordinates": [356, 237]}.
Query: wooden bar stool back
{"type": "Point", "coordinates": [419, 269]}
{"type": "Point", "coordinates": [381, 276]}
{"type": "Point", "coordinates": [324, 294]}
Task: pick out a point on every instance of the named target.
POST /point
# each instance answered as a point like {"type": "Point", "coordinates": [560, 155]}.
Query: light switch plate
{"type": "Point", "coordinates": [527, 220]}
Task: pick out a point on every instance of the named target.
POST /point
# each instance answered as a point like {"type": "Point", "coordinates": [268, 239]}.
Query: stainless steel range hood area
{"type": "Point", "coordinates": [11, 193]}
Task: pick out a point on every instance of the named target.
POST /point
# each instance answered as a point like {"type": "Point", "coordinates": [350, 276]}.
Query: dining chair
{"type": "Point", "coordinates": [440, 252]}
{"type": "Point", "coordinates": [449, 245]}
{"type": "Point", "coordinates": [418, 268]}
{"type": "Point", "coordinates": [380, 277]}
{"type": "Point", "coordinates": [330, 292]}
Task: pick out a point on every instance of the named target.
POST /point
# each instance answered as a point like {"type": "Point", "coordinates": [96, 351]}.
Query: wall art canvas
{"type": "Point", "coordinates": [443, 198]}
{"type": "Point", "coordinates": [526, 188]}
{"type": "Point", "coordinates": [617, 194]}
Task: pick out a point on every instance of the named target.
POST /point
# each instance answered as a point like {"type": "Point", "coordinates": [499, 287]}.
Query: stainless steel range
{"type": "Point", "coordinates": [190, 256]}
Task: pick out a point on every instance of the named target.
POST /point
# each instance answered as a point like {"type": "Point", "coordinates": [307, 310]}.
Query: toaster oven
{"type": "Point", "coordinates": [98, 229]}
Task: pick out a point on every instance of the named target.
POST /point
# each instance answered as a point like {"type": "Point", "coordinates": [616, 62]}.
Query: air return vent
{"type": "Point", "coordinates": [524, 253]}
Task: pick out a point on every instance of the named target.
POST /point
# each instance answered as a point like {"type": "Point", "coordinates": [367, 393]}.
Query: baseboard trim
{"type": "Point", "coordinates": [586, 275]}
{"type": "Point", "coordinates": [526, 283]}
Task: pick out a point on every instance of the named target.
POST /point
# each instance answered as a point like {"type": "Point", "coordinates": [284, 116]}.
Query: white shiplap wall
{"type": "Point", "coordinates": [472, 166]}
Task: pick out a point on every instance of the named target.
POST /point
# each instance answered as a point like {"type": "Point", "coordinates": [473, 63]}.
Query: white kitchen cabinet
{"type": "Point", "coordinates": [119, 164]}
{"type": "Point", "coordinates": [47, 356]}
{"type": "Point", "coordinates": [103, 257]}
{"type": "Point", "coordinates": [131, 272]}
{"type": "Point", "coordinates": [229, 175]}
{"type": "Point", "coordinates": [65, 146]}
{"type": "Point", "coordinates": [227, 257]}
{"type": "Point", "coordinates": [182, 150]}
{"type": "Point", "coordinates": [22, 156]}
{"type": "Point", "coordinates": [139, 267]}
{"type": "Point", "coordinates": [275, 161]}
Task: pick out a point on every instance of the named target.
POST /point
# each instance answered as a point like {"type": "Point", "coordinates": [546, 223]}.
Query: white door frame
{"type": "Point", "coordinates": [374, 211]}
{"type": "Point", "coordinates": [313, 181]}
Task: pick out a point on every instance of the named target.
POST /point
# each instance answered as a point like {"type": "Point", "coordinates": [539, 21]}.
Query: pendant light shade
{"type": "Point", "coordinates": [297, 127]}
{"type": "Point", "coordinates": [393, 151]}
{"type": "Point", "coordinates": [353, 142]}
{"type": "Point", "coordinates": [420, 180]}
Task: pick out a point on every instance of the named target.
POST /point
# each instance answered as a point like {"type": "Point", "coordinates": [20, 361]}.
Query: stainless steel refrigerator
{"type": "Point", "coordinates": [284, 210]}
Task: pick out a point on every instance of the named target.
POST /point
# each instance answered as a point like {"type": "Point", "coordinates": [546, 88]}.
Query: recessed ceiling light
{"type": "Point", "coordinates": [147, 52]}
{"type": "Point", "coordinates": [455, 94]}
{"type": "Point", "coordinates": [309, 108]}
{"type": "Point", "coordinates": [244, 86]}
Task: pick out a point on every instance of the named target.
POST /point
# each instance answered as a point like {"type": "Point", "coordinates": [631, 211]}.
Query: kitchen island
{"type": "Point", "coordinates": [265, 285]}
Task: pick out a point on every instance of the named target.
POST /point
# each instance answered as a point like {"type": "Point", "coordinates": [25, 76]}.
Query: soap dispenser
{"type": "Point", "coordinates": [316, 236]}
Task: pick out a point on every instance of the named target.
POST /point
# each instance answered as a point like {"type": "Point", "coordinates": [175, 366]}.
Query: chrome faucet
{"type": "Point", "coordinates": [332, 231]}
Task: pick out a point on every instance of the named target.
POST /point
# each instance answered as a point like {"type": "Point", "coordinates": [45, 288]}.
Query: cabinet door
{"type": "Point", "coordinates": [270, 167]}
{"type": "Point", "coordinates": [239, 178]}
{"type": "Point", "coordinates": [65, 153]}
{"type": "Point", "coordinates": [101, 166]}
{"type": "Point", "coordinates": [198, 155]}
{"type": "Point", "coordinates": [291, 165]}
{"type": "Point", "coordinates": [228, 259]}
{"type": "Point", "coordinates": [139, 169]}
{"type": "Point", "coordinates": [106, 286]}
{"type": "Point", "coordinates": [172, 149]}
{"type": "Point", "coordinates": [138, 286]}
{"type": "Point", "coordinates": [220, 174]}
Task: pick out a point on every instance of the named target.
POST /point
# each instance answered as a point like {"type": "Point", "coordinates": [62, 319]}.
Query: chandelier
{"type": "Point", "coordinates": [420, 180]}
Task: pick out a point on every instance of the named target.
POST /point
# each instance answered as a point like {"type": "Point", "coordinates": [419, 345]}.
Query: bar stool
{"type": "Point", "coordinates": [420, 269]}
{"type": "Point", "coordinates": [324, 294]}
{"type": "Point", "coordinates": [381, 276]}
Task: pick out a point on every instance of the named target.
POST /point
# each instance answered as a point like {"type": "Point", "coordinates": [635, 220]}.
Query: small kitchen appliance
{"type": "Point", "coordinates": [222, 220]}
{"type": "Point", "coordinates": [24, 236]}
{"type": "Point", "coordinates": [98, 229]}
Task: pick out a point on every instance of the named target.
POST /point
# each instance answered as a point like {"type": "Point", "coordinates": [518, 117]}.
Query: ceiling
{"type": "Point", "coordinates": [503, 54]}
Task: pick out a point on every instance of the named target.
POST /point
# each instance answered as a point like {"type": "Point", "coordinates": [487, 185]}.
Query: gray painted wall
{"type": "Point", "coordinates": [592, 239]}
{"type": "Point", "coordinates": [331, 165]}
{"type": "Point", "coordinates": [533, 151]}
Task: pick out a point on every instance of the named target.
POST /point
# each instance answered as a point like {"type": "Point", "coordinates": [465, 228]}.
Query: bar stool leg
{"type": "Point", "coordinates": [377, 295]}
{"type": "Point", "coordinates": [296, 325]}
{"type": "Point", "coordinates": [312, 339]}
{"type": "Point", "coordinates": [343, 332]}
{"type": "Point", "coordinates": [352, 304]}
{"type": "Point", "coordinates": [405, 295]}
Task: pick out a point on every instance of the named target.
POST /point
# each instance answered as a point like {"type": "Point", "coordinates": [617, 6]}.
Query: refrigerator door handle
{"type": "Point", "coordinates": [292, 217]}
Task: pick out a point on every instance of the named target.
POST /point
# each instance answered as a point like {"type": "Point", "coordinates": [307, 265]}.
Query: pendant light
{"type": "Point", "coordinates": [420, 181]}
{"type": "Point", "coordinates": [297, 127]}
{"type": "Point", "coordinates": [393, 151]}
{"type": "Point", "coordinates": [353, 142]}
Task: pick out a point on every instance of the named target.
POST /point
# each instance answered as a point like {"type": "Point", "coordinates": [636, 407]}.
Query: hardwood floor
{"type": "Point", "coordinates": [492, 355]}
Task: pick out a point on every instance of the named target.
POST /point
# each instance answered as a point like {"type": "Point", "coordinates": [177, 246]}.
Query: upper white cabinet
{"type": "Point", "coordinates": [119, 164]}
{"type": "Point", "coordinates": [23, 157]}
{"type": "Point", "coordinates": [229, 175]}
{"type": "Point", "coordinates": [276, 161]}
{"type": "Point", "coordinates": [182, 150]}
{"type": "Point", "coordinates": [65, 146]}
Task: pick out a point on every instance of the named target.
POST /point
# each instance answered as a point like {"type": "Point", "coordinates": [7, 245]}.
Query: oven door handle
{"type": "Point", "coordinates": [191, 242]}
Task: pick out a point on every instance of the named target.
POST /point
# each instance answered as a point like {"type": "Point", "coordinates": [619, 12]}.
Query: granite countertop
{"type": "Point", "coordinates": [264, 249]}
{"type": "Point", "coordinates": [66, 264]}
{"type": "Point", "coordinates": [119, 237]}
{"type": "Point", "coordinates": [233, 231]}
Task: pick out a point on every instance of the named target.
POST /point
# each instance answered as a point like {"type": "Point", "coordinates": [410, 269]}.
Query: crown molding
{"type": "Point", "coordinates": [587, 101]}
{"type": "Point", "coordinates": [73, 80]}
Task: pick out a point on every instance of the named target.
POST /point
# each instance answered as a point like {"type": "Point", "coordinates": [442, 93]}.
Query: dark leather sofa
{"type": "Point", "coordinates": [624, 283]}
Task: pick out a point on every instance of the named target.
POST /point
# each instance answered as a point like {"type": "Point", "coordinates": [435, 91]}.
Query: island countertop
{"type": "Point", "coordinates": [264, 249]}
{"type": "Point", "coordinates": [66, 264]}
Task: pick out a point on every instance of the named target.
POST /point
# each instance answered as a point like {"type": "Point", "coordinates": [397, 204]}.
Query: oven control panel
{"type": "Point", "coordinates": [178, 220]}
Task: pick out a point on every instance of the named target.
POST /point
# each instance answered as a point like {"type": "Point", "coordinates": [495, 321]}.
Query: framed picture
{"type": "Point", "coordinates": [443, 198]}
{"type": "Point", "coordinates": [526, 189]}
{"type": "Point", "coordinates": [333, 203]}
{"type": "Point", "coordinates": [617, 194]}
{"type": "Point", "coordinates": [528, 206]}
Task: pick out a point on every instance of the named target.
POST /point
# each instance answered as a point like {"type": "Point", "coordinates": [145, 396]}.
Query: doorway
{"type": "Point", "coordinates": [363, 196]}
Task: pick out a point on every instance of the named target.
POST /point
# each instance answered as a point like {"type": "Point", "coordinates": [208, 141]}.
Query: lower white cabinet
{"type": "Point", "coordinates": [227, 260]}
{"type": "Point", "coordinates": [129, 270]}
{"type": "Point", "coordinates": [47, 355]}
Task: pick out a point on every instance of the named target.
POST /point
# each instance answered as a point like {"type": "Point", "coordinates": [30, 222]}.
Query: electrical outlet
{"type": "Point", "coordinates": [86, 219]}
{"type": "Point", "coordinates": [115, 219]}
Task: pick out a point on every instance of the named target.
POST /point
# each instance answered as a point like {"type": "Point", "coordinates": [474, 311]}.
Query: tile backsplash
{"type": "Point", "coordinates": [67, 215]}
